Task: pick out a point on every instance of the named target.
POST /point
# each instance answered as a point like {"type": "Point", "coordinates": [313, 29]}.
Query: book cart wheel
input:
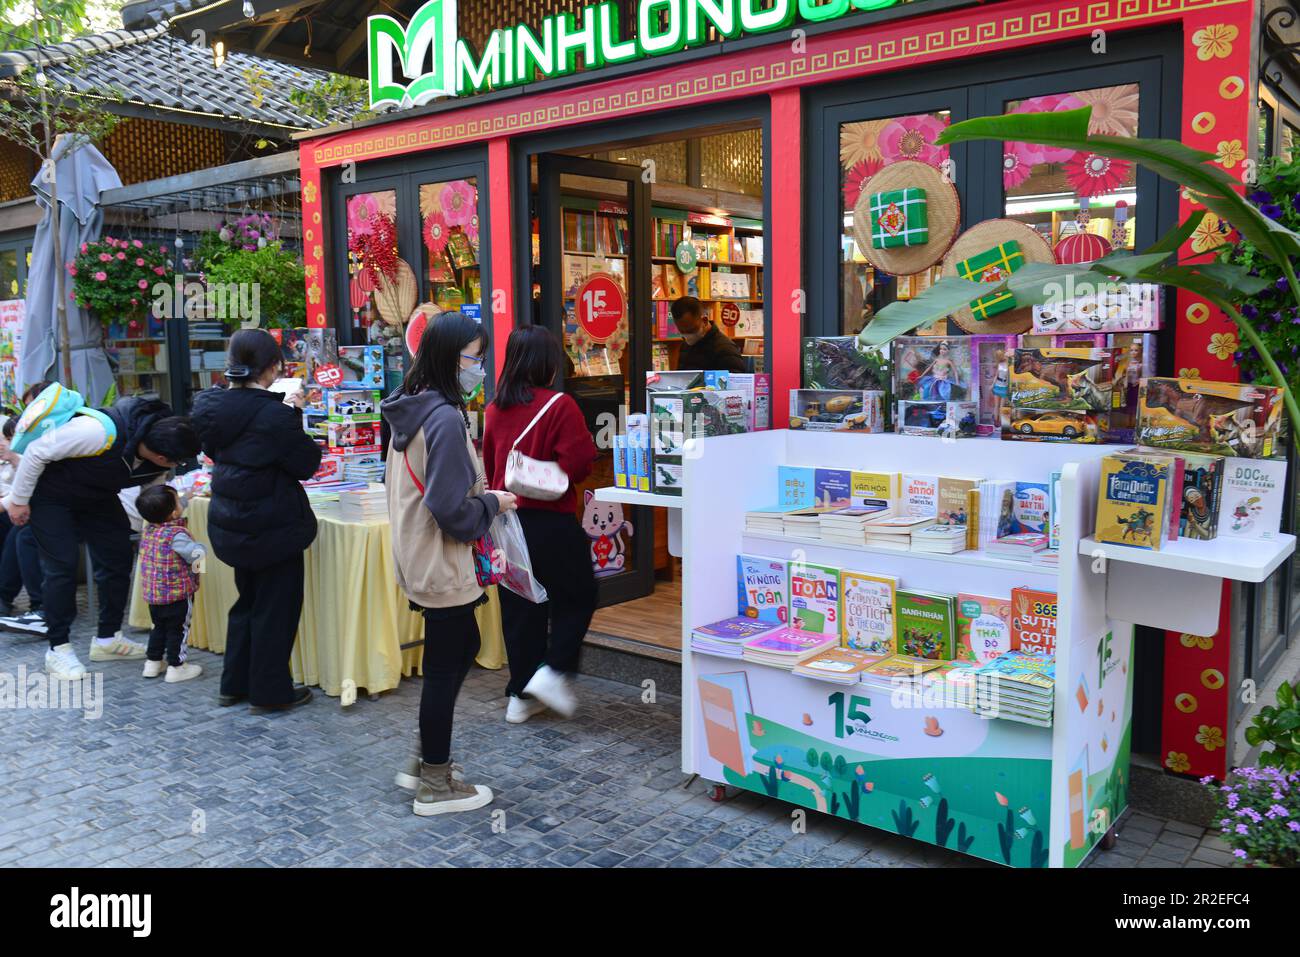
{"type": "Point", "coordinates": [718, 792]}
{"type": "Point", "coordinates": [1109, 839]}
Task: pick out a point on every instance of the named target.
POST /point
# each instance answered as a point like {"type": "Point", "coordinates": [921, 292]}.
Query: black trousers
{"type": "Point", "coordinates": [450, 644]}
{"type": "Point", "coordinates": [260, 632]}
{"type": "Point", "coordinates": [59, 529]}
{"type": "Point", "coordinates": [550, 633]}
{"type": "Point", "coordinates": [171, 631]}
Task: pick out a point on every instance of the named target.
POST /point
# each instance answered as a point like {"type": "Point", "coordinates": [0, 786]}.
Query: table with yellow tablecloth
{"type": "Point", "coordinates": [357, 630]}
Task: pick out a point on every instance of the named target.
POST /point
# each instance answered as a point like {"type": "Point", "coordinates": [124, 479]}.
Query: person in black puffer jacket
{"type": "Point", "coordinates": [260, 521]}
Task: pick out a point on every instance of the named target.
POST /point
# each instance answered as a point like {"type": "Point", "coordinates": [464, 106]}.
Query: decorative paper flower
{"type": "Point", "coordinates": [309, 191]}
{"type": "Point", "coordinates": [912, 138]}
{"type": "Point", "coordinates": [1209, 738]}
{"type": "Point", "coordinates": [1091, 174]}
{"type": "Point", "coordinates": [1018, 161]}
{"type": "Point", "coordinates": [471, 230]}
{"type": "Point", "coordinates": [1214, 41]}
{"type": "Point", "coordinates": [1211, 234]}
{"type": "Point", "coordinates": [362, 211]}
{"type": "Point", "coordinates": [1192, 373]}
{"type": "Point", "coordinates": [1222, 345]}
{"type": "Point", "coordinates": [856, 177]}
{"type": "Point", "coordinates": [860, 142]}
{"type": "Point", "coordinates": [1230, 153]}
{"type": "Point", "coordinates": [1178, 763]}
{"type": "Point", "coordinates": [1195, 641]}
{"type": "Point", "coordinates": [435, 232]}
{"type": "Point", "coordinates": [459, 200]}
{"type": "Point", "coordinates": [1052, 103]}
{"type": "Point", "coordinates": [1114, 109]}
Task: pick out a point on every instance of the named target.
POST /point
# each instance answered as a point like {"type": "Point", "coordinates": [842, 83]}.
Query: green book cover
{"type": "Point", "coordinates": [926, 623]}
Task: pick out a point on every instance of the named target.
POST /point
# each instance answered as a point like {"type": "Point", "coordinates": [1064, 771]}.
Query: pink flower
{"type": "Point", "coordinates": [158, 270]}
{"type": "Point", "coordinates": [163, 250]}
{"type": "Point", "coordinates": [143, 283]}
{"type": "Point", "coordinates": [83, 247]}
{"type": "Point", "coordinates": [912, 138]}
{"type": "Point", "coordinates": [1092, 174]}
{"type": "Point", "coordinates": [101, 276]}
{"type": "Point", "coordinates": [104, 257]}
{"type": "Point", "coordinates": [1052, 103]}
{"type": "Point", "coordinates": [121, 255]}
{"type": "Point", "coordinates": [1017, 163]}
{"type": "Point", "coordinates": [134, 301]}
{"type": "Point", "coordinates": [459, 200]}
{"type": "Point", "coordinates": [139, 261]}
{"type": "Point", "coordinates": [72, 270]}
{"type": "Point", "coordinates": [137, 244]}
{"type": "Point", "coordinates": [855, 178]}
{"type": "Point", "coordinates": [435, 232]}
{"type": "Point", "coordinates": [363, 209]}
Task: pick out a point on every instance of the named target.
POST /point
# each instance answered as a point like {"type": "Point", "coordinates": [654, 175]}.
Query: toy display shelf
{"type": "Point", "coordinates": [673, 503]}
{"type": "Point", "coordinates": [995, 788]}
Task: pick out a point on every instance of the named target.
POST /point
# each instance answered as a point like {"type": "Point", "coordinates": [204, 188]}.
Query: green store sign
{"type": "Point", "coordinates": [435, 62]}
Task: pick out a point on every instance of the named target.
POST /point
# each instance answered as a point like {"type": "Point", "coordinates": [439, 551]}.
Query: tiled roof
{"type": "Point", "coordinates": [141, 14]}
{"type": "Point", "coordinates": [152, 68]}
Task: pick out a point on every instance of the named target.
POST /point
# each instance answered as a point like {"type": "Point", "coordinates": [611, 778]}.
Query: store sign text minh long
{"type": "Point", "coordinates": [435, 62]}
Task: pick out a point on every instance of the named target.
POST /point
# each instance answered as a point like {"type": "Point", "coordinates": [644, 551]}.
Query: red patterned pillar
{"type": "Point", "coordinates": [313, 246]}
{"type": "Point", "coordinates": [784, 250]}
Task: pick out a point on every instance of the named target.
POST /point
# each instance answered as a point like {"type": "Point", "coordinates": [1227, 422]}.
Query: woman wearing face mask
{"type": "Point", "coordinates": [260, 521]}
{"type": "Point", "coordinates": [438, 507]}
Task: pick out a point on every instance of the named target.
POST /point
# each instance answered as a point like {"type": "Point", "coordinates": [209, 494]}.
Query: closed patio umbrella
{"type": "Point", "coordinates": [81, 175]}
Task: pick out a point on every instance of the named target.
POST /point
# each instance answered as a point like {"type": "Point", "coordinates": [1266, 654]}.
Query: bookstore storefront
{"type": "Point", "coordinates": [511, 201]}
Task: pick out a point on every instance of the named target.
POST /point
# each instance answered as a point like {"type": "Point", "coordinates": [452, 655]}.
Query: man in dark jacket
{"type": "Point", "coordinates": [706, 347]}
{"type": "Point", "coordinates": [67, 486]}
{"type": "Point", "coordinates": [260, 523]}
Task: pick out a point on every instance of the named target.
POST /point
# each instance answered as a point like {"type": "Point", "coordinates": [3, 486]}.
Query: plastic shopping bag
{"type": "Point", "coordinates": [510, 558]}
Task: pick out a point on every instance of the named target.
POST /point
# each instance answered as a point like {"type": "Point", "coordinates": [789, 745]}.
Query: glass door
{"type": "Point", "coordinates": [594, 244]}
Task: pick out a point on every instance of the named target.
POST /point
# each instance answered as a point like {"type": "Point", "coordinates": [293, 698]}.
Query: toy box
{"type": "Point", "coordinates": [322, 347]}
{"type": "Point", "coordinates": [316, 425]}
{"type": "Point", "coordinates": [293, 344]}
{"type": "Point", "coordinates": [1034, 425]}
{"type": "Point", "coordinates": [362, 366]}
{"type": "Point", "coordinates": [329, 470]}
{"type": "Point", "coordinates": [934, 369]}
{"type": "Point", "coordinates": [838, 362]}
{"type": "Point", "coordinates": [953, 419]}
{"type": "Point", "coordinates": [352, 405]}
{"type": "Point", "coordinates": [757, 387]}
{"type": "Point", "coordinates": [830, 410]}
{"type": "Point", "coordinates": [676, 417]}
{"type": "Point", "coordinates": [1079, 380]}
{"type": "Point", "coordinates": [355, 436]}
{"type": "Point", "coordinates": [1224, 418]}
{"type": "Point", "coordinates": [992, 364]}
{"type": "Point", "coordinates": [1110, 307]}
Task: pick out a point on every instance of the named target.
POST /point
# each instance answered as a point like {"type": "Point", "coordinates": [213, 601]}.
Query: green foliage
{"type": "Point", "coordinates": [812, 757]}
{"type": "Point", "coordinates": [904, 820]}
{"type": "Point", "coordinates": [964, 838]}
{"type": "Point", "coordinates": [1280, 727]}
{"type": "Point", "coordinates": [772, 780]}
{"type": "Point", "coordinates": [334, 99]}
{"type": "Point", "coordinates": [279, 276]}
{"type": "Point", "coordinates": [23, 117]}
{"type": "Point", "coordinates": [1257, 811]}
{"type": "Point", "coordinates": [115, 277]}
{"type": "Point", "coordinates": [1007, 836]}
{"type": "Point", "coordinates": [853, 801]}
{"type": "Point", "coordinates": [943, 824]}
{"type": "Point", "coordinates": [60, 20]}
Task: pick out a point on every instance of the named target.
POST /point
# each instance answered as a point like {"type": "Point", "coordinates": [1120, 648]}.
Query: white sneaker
{"type": "Point", "coordinates": [32, 622]}
{"type": "Point", "coordinates": [152, 669]}
{"type": "Point", "coordinates": [62, 663]}
{"type": "Point", "coordinates": [183, 672]}
{"type": "Point", "coordinates": [553, 689]}
{"type": "Point", "coordinates": [119, 649]}
{"type": "Point", "coordinates": [520, 710]}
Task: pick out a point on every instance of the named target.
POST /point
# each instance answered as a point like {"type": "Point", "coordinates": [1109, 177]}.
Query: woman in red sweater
{"type": "Point", "coordinates": [543, 641]}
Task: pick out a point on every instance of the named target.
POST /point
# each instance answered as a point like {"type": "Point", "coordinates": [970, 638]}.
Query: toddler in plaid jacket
{"type": "Point", "coordinates": [169, 564]}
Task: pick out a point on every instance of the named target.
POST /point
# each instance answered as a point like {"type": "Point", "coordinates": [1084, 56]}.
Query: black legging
{"type": "Point", "coordinates": [450, 645]}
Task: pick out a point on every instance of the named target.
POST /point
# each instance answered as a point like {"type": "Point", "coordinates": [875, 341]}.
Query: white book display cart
{"type": "Point", "coordinates": [930, 769]}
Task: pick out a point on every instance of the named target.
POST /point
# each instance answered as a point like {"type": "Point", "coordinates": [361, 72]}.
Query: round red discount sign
{"type": "Point", "coordinates": [329, 376]}
{"type": "Point", "coordinates": [602, 307]}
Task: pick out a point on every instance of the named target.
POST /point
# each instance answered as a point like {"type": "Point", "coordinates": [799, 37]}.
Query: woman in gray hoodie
{"type": "Point", "coordinates": [438, 507]}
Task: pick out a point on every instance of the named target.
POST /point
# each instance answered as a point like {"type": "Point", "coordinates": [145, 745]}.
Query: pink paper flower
{"type": "Point", "coordinates": [101, 276]}
{"type": "Point", "coordinates": [1092, 174]}
{"type": "Point", "coordinates": [435, 232]}
{"type": "Point", "coordinates": [855, 178]}
{"type": "Point", "coordinates": [1017, 163]}
{"type": "Point", "coordinates": [362, 211]}
{"type": "Point", "coordinates": [912, 138]}
{"type": "Point", "coordinates": [471, 230]}
{"type": "Point", "coordinates": [459, 200]}
{"type": "Point", "coordinates": [1051, 103]}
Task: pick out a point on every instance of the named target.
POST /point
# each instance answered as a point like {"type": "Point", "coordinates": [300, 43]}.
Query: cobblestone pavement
{"type": "Point", "coordinates": [315, 787]}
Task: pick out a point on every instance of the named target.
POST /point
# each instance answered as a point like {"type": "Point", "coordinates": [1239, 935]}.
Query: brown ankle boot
{"type": "Point", "coordinates": [439, 793]}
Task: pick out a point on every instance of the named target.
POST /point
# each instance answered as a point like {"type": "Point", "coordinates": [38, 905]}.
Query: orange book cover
{"type": "Point", "coordinates": [1033, 620]}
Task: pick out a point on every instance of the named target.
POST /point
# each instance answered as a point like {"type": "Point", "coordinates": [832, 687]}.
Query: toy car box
{"type": "Point", "coordinates": [1041, 425]}
{"type": "Point", "coordinates": [352, 405]}
{"type": "Point", "coordinates": [352, 436]}
{"type": "Point", "coordinates": [834, 410]}
{"type": "Point", "coordinates": [362, 367]}
{"type": "Point", "coordinates": [1078, 380]}
{"type": "Point", "coordinates": [952, 419]}
{"type": "Point", "coordinates": [1224, 418]}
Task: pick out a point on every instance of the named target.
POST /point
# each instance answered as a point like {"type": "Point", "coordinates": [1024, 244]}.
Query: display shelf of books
{"type": "Point", "coordinates": [971, 700]}
{"type": "Point", "coordinates": [1246, 561]}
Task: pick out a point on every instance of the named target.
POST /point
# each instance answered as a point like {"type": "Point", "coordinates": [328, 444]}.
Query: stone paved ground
{"type": "Point", "coordinates": [315, 787]}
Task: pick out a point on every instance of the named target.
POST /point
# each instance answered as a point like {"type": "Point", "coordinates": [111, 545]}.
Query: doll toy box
{"type": "Point", "coordinates": [934, 369]}
{"type": "Point", "coordinates": [1224, 418]}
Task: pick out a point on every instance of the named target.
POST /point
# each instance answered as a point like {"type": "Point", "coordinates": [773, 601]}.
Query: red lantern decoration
{"type": "Point", "coordinates": [359, 297]}
{"type": "Point", "coordinates": [1081, 247]}
{"type": "Point", "coordinates": [364, 279]}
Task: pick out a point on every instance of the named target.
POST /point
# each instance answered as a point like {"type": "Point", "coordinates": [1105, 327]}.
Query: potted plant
{"type": "Point", "coordinates": [1280, 727]}
{"type": "Point", "coordinates": [114, 279]}
{"type": "Point", "coordinates": [276, 274]}
{"type": "Point", "coordinates": [1259, 815]}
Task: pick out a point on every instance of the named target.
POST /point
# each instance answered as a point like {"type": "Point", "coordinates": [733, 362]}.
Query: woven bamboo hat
{"type": "Point", "coordinates": [942, 207]}
{"type": "Point", "coordinates": [984, 236]}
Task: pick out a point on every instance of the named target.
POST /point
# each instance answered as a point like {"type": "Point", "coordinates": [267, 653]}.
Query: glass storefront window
{"type": "Point", "coordinates": [1290, 135]}
{"type": "Point", "coordinates": [9, 274]}
{"type": "Point", "coordinates": [372, 251]}
{"type": "Point", "coordinates": [449, 232]}
{"type": "Point", "coordinates": [1062, 192]}
{"type": "Point", "coordinates": [866, 147]}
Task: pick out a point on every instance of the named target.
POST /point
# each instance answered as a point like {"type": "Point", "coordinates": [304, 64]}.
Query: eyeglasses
{"type": "Point", "coordinates": [477, 360]}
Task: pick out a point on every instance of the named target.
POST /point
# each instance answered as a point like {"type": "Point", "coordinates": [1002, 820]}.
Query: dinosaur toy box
{"type": "Point", "coordinates": [1223, 418]}
{"type": "Point", "coordinates": [1077, 379]}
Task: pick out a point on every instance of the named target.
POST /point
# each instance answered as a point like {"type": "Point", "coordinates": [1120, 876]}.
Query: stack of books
{"type": "Point", "coordinates": [953, 683]}
{"type": "Point", "coordinates": [766, 521]}
{"type": "Point", "coordinates": [724, 638]}
{"type": "Point", "coordinates": [940, 539]}
{"type": "Point", "coordinates": [1020, 546]}
{"type": "Point", "coordinates": [1017, 685]}
{"type": "Point", "coordinates": [363, 468]}
{"type": "Point", "coordinates": [803, 524]}
{"type": "Point", "coordinates": [363, 505]}
{"type": "Point", "coordinates": [895, 531]}
{"type": "Point", "coordinates": [841, 666]}
{"type": "Point", "coordinates": [848, 526]}
{"type": "Point", "coordinates": [783, 648]}
{"type": "Point", "coordinates": [893, 671]}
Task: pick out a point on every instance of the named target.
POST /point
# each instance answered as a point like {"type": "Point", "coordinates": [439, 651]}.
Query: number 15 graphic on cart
{"type": "Point", "coordinates": [858, 706]}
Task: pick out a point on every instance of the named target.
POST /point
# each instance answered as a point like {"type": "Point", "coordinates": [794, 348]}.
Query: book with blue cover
{"type": "Point", "coordinates": [763, 589]}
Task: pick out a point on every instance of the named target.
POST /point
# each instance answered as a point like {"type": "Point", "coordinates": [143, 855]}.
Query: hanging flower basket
{"type": "Point", "coordinates": [115, 278]}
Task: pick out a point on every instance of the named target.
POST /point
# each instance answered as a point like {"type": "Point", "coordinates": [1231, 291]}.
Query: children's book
{"type": "Point", "coordinates": [796, 487]}
{"type": "Point", "coordinates": [1031, 507]}
{"type": "Point", "coordinates": [783, 647]}
{"type": "Point", "coordinates": [1202, 491]}
{"type": "Point", "coordinates": [832, 487]}
{"type": "Point", "coordinates": [951, 500]}
{"type": "Point", "coordinates": [901, 666]}
{"type": "Point", "coordinates": [762, 588]}
{"type": "Point", "coordinates": [868, 611]}
{"type": "Point", "coordinates": [1032, 672]}
{"type": "Point", "coordinates": [1133, 499]}
{"type": "Point", "coordinates": [843, 666]}
{"type": "Point", "coordinates": [815, 598]}
{"type": "Point", "coordinates": [925, 624]}
{"type": "Point", "coordinates": [920, 496]}
{"type": "Point", "coordinates": [1054, 511]}
{"type": "Point", "coordinates": [725, 638]}
{"type": "Point", "coordinates": [871, 487]}
{"type": "Point", "coordinates": [1033, 620]}
{"type": "Point", "coordinates": [1252, 499]}
{"type": "Point", "coordinates": [983, 627]}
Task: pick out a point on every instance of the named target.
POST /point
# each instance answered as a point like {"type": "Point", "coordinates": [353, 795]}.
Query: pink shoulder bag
{"type": "Point", "coordinates": [533, 478]}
